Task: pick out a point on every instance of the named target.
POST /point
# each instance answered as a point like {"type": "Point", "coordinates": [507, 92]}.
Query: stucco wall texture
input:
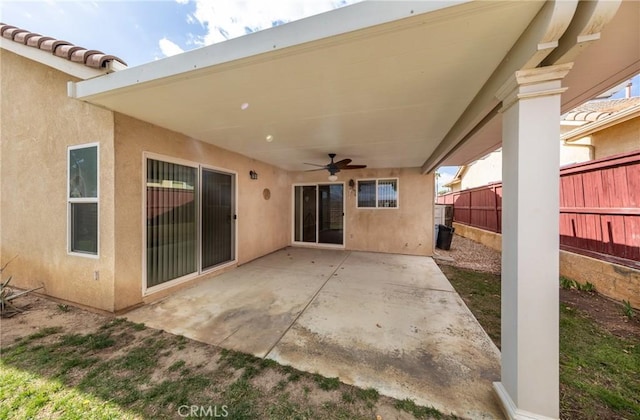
{"type": "Point", "coordinates": [620, 138]}
{"type": "Point", "coordinates": [263, 226]}
{"type": "Point", "coordinates": [39, 122]}
{"type": "Point", "coordinates": [407, 229]}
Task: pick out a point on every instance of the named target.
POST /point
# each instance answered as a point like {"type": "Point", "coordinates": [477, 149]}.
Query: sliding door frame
{"type": "Point", "coordinates": [317, 244]}
{"type": "Point", "coordinates": [146, 291]}
{"type": "Point", "coordinates": [234, 218]}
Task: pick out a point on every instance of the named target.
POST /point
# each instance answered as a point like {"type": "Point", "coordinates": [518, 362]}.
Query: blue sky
{"type": "Point", "coordinates": [142, 31]}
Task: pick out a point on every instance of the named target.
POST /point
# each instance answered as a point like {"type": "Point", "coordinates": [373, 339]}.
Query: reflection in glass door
{"type": "Point", "coordinates": [217, 218]}
{"type": "Point", "coordinates": [319, 214]}
{"type": "Point", "coordinates": [190, 220]}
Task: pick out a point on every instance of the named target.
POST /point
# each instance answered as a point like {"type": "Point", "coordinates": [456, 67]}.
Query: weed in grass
{"type": "Point", "coordinates": [418, 411]}
{"type": "Point", "coordinates": [284, 408]}
{"type": "Point", "coordinates": [80, 362]}
{"type": "Point", "coordinates": [293, 375]}
{"type": "Point", "coordinates": [586, 287]}
{"type": "Point", "coordinates": [281, 385]}
{"type": "Point", "coordinates": [338, 412]}
{"type": "Point", "coordinates": [251, 365]}
{"type": "Point", "coordinates": [368, 395]}
{"type": "Point", "coordinates": [44, 332]}
{"type": "Point", "coordinates": [567, 283]}
{"type": "Point", "coordinates": [236, 359]}
{"type": "Point", "coordinates": [63, 308]}
{"type": "Point", "coordinates": [113, 323]}
{"type": "Point", "coordinates": [176, 365]}
{"type": "Point", "coordinates": [139, 326]}
{"type": "Point", "coordinates": [89, 341]}
{"type": "Point", "coordinates": [241, 398]}
{"type": "Point", "coordinates": [326, 384]}
{"type": "Point", "coordinates": [627, 309]}
{"type": "Point", "coordinates": [138, 359]}
{"type": "Point", "coordinates": [268, 363]}
{"type": "Point", "coordinates": [250, 371]}
{"type": "Point", "coordinates": [347, 397]}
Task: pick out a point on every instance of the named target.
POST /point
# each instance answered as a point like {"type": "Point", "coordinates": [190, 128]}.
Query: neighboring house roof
{"type": "Point", "coordinates": [599, 109]}
{"type": "Point", "coordinates": [93, 59]}
{"type": "Point", "coordinates": [601, 114]}
{"type": "Point", "coordinates": [457, 178]}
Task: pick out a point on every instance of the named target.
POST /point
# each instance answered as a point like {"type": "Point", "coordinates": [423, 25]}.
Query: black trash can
{"type": "Point", "coordinates": [445, 235]}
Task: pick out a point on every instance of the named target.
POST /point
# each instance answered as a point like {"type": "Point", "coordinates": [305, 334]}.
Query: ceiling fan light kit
{"type": "Point", "coordinates": [335, 167]}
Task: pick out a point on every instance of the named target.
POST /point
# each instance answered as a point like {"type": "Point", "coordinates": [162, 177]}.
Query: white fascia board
{"type": "Point", "coordinates": [587, 129]}
{"type": "Point", "coordinates": [59, 63]}
{"type": "Point", "coordinates": [336, 22]}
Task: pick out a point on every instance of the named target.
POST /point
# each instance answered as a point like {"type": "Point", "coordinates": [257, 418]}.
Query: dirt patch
{"type": "Point", "coordinates": [42, 313]}
{"type": "Point", "coordinates": [606, 312]}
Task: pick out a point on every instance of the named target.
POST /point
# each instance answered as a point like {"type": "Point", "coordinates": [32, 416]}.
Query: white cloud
{"type": "Point", "coordinates": [182, 1]}
{"type": "Point", "coordinates": [226, 19]}
{"type": "Point", "coordinates": [446, 175]}
{"type": "Point", "coordinates": [169, 48]}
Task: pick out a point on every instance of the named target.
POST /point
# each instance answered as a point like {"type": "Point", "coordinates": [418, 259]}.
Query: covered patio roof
{"type": "Point", "coordinates": [387, 84]}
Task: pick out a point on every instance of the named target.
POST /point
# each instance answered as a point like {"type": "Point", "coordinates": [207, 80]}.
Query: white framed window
{"type": "Point", "coordinates": [82, 199]}
{"type": "Point", "coordinates": [377, 193]}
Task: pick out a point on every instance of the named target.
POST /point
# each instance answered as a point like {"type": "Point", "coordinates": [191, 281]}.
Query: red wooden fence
{"type": "Point", "coordinates": [599, 208]}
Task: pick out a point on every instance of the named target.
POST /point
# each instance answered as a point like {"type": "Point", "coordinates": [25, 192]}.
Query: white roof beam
{"type": "Point", "coordinates": [590, 18]}
{"type": "Point", "coordinates": [535, 44]}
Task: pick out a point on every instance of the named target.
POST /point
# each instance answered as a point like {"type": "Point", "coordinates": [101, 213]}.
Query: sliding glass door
{"type": "Point", "coordinates": [190, 214]}
{"type": "Point", "coordinates": [171, 221]}
{"type": "Point", "coordinates": [217, 218]}
{"type": "Point", "coordinates": [319, 214]}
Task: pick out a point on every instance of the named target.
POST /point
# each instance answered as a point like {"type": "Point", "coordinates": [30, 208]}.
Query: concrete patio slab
{"type": "Point", "coordinates": [391, 322]}
{"type": "Point", "coordinates": [249, 308]}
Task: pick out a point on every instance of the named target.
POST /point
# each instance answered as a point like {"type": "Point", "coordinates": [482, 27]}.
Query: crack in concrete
{"type": "Point", "coordinates": [333, 273]}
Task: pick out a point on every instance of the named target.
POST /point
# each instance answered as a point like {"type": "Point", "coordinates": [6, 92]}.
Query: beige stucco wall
{"type": "Point", "coordinates": [576, 152]}
{"type": "Point", "coordinates": [38, 123]}
{"type": "Point", "coordinates": [621, 138]}
{"type": "Point", "coordinates": [263, 225]}
{"type": "Point", "coordinates": [483, 171]}
{"type": "Point", "coordinates": [405, 230]}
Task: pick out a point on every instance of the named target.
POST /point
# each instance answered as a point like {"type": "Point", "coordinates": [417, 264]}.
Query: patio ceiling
{"type": "Point", "coordinates": [387, 84]}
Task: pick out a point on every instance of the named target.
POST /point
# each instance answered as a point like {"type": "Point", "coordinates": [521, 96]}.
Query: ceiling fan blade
{"type": "Point", "coordinates": [313, 164]}
{"type": "Point", "coordinates": [354, 167]}
{"type": "Point", "coordinates": [343, 163]}
{"type": "Point", "coordinates": [319, 169]}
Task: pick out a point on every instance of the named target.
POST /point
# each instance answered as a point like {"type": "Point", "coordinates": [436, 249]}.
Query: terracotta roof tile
{"type": "Point", "coordinates": [598, 109]}
{"type": "Point", "coordinates": [36, 40]}
{"type": "Point", "coordinates": [23, 37]}
{"type": "Point", "coordinates": [63, 49]}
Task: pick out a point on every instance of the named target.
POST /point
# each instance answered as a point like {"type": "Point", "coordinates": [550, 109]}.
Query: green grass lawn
{"type": "Point", "coordinates": [599, 372]}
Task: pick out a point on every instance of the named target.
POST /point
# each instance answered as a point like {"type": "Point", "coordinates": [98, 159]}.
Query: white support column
{"type": "Point", "coordinates": [529, 388]}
